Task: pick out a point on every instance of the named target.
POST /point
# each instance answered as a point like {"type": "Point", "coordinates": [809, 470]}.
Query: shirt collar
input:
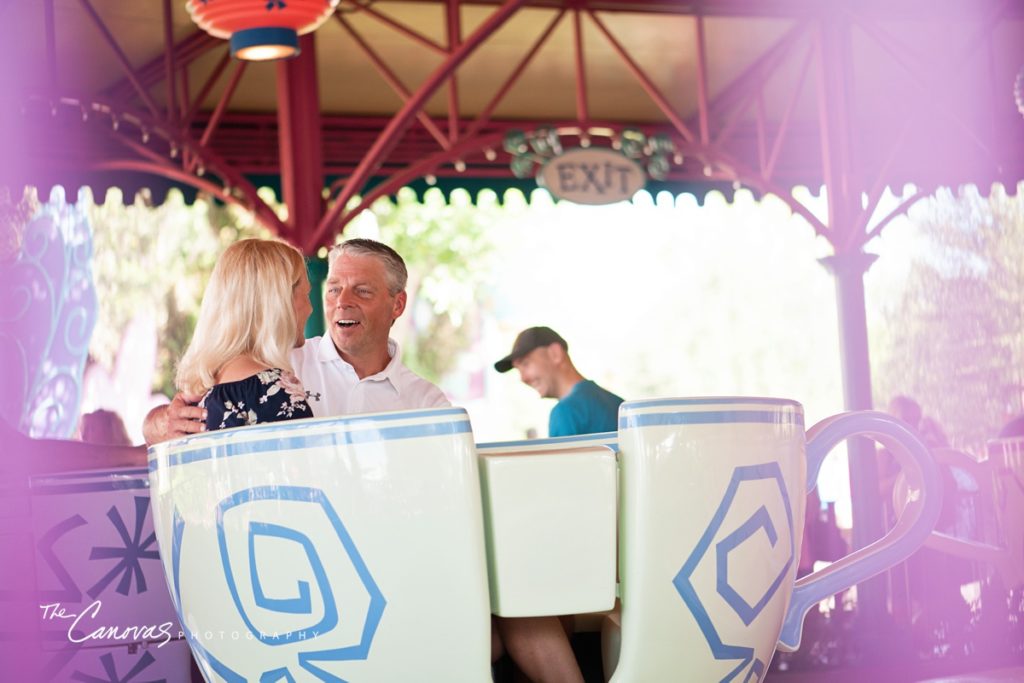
{"type": "Point", "coordinates": [328, 353]}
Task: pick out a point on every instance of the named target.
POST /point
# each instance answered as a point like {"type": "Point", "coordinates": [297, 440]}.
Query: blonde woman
{"type": "Point", "coordinates": [253, 314]}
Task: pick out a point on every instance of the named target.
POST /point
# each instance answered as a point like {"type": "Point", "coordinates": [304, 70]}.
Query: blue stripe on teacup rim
{"type": "Point", "coordinates": [708, 401]}
{"type": "Point", "coordinates": [779, 417]}
{"type": "Point", "coordinates": [306, 423]}
{"type": "Point", "coordinates": [609, 439]}
{"type": "Point", "coordinates": [347, 435]}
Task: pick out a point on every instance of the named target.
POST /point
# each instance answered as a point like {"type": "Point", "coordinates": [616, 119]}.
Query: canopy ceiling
{"type": "Point", "coordinates": [855, 95]}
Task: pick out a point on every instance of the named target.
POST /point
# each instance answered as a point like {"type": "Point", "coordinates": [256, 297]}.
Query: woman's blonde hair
{"type": "Point", "coordinates": [246, 311]}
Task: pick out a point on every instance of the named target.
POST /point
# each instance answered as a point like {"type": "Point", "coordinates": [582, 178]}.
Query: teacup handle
{"type": "Point", "coordinates": [910, 532]}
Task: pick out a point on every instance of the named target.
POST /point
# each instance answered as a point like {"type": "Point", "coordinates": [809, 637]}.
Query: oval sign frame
{"type": "Point", "coordinates": [592, 175]}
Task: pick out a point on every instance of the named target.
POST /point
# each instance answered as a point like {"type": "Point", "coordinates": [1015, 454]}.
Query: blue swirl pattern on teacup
{"type": "Point", "coordinates": [711, 499]}
{"type": "Point", "coordinates": [760, 522]}
{"type": "Point", "coordinates": [251, 551]}
{"type": "Point", "coordinates": [280, 542]}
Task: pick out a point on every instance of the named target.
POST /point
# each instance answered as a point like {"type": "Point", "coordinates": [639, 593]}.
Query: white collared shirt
{"type": "Point", "coordinates": [335, 389]}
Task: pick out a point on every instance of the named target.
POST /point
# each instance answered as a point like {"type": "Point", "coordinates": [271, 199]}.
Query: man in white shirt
{"type": "Point", "coordinates": [357, 367]}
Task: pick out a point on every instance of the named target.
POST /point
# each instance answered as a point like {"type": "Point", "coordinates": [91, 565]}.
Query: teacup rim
{"type": "Point", "coordinates": [716, 401]}
{"type": "Point", "coordinates": [600, 438]}
{"type": "Point", "coordinates": [196, 440]}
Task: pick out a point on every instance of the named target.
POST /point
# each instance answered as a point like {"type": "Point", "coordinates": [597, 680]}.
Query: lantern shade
{"type": "Point", "coordinates": [263, 44]}
{"type": "Point", "coordinates": [261, 29]}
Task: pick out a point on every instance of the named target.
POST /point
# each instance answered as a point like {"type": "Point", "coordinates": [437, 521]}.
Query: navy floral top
{"type": "Point", "coordinates": [268, 396]}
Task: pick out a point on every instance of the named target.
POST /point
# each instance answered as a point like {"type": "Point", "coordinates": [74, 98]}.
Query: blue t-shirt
{"type": "Point", "coordinates": [587, 409]}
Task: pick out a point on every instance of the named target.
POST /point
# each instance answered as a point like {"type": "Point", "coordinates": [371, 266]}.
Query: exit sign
{"type": "Point", "coordinates": [592, 175]}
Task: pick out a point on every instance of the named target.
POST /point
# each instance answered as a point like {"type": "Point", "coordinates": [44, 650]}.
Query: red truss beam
{"type": "Point", "coordinates": [130, 73]}
{"type": "Point", "coordinates": [718, 142]}
{"type": "Point", "coordinates": [153, 72]}
{"type": "Point", "coordinates": [944, 10]}
{"type": "Point", "coordinates": [408, 32]}
{"type": "Point", "coordinates": [391, 79]}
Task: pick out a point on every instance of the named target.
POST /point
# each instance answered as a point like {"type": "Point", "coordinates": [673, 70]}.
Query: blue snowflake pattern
{"type": "Point", "coordinates": [134, 550]}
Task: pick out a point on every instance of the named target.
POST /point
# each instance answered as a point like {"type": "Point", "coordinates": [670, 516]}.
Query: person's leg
{"type": "Point", "coordinates": [540, 648]}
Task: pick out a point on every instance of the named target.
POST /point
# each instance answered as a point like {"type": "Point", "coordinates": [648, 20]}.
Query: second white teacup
{"type": "Point", "coordinates": [712, 497]}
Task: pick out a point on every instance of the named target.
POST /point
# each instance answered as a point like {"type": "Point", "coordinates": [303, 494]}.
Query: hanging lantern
{"type": "Point", "coordinates": [261, 30]}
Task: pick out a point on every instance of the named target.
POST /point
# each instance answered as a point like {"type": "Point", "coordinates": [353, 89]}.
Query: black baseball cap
{"type": "Point", "coordinates": [528, 340]}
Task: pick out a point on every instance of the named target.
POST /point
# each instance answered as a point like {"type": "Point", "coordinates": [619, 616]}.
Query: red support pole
{"type": "Point", "coordinates": [301, 142]}
{"type": "Point", "coordinates": [848, 269]}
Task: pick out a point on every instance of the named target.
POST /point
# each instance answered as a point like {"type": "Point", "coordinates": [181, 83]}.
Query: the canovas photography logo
{"type": "Point", "coordinates": [80, 623]}
{"type": "Point", "coordinates": [87, 625]}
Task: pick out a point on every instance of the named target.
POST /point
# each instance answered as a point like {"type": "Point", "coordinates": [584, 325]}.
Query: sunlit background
{"type": "Point", "coordinates": [659, 297]}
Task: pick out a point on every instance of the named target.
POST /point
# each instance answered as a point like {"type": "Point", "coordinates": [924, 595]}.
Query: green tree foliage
{"type": "Point", "coordinates": [954, 337]}
{"type": "Point", "coordinates": [156, 259]}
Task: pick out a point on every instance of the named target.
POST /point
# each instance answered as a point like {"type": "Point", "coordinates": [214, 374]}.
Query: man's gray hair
{"type": "Point", "coordinates": [397, 273]}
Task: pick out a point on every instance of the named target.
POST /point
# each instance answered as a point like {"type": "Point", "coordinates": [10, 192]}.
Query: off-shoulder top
{"type": "Point", "coordinates": [268, 396]}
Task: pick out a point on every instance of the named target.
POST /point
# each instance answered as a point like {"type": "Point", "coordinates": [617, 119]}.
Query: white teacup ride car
{"type": "Point", "coordinates": [376, 547]}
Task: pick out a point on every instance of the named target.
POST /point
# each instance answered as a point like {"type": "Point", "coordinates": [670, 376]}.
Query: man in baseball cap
{"type": "Point", "coordinates": [542, 358]}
